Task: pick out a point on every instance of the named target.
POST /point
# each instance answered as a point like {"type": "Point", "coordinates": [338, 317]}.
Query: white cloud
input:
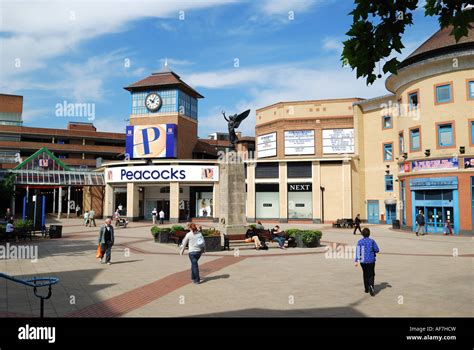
{"type": "Point", "coordinates": [278, 7]}
{"type": "Point", "coordinates": [333, 44]}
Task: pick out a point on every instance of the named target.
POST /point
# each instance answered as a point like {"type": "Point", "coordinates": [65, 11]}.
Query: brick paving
{"type": "Point", "coordinates": [432, 275]}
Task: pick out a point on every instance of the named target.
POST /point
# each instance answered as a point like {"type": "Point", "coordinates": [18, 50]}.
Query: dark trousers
{"type": "Point", "coordinates": [357, 227]}
{"type": "Point", "coordinates": [162, 221]}
{"type": "Point", "coordinates": [194, 257]}
{"type": "Point", "coordinates": [107, 249]}
{"type": "Point", "coordinates": [369, 274]}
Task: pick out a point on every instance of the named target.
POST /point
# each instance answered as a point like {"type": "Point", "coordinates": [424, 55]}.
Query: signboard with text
{"type": "Point", "coordinates": [162, 173]}
{"type": "Point", "coordinates": [434, 164]}
{"type": "Point", "coordinates": [338, 141]}
{"type": "Point", "coordinates": [299, 142]}
{"type": "Point", "coordinates": [267, 145]}
{"type": "Point", "coordinates": [468, 163]}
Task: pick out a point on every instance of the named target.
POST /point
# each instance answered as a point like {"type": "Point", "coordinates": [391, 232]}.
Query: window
{"type": "Point", "coordinates": [443, 93]}
{"type": "Point", "coordinates": [388, 183]}
{"type": "Point", "coordinates": [471, 123]}
{"type": "Point", "coordinates": [413, 100]}
{"type": "Point", "coordinates": [470, 89]}
{"type": "Point", "coordinates": [401, 143]}
{"type": "Point", "coordinates": [386, 122]}
{"type": "Point", "coordinates": [387, 151]}
{"type": "Point", "coordinates": [415, 140]}
{"type": "Point", "coordinates": [445, 135]}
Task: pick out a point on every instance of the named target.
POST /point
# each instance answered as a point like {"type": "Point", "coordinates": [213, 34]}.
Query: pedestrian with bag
{"type": "Point", "coordinates": [197, 245]}
{"type": "Point", "coordinates": [365, 255]}
{"type": "Point", "coordinates": [420, 223]}
{"type": "Point", "coordinates": [106, 240]}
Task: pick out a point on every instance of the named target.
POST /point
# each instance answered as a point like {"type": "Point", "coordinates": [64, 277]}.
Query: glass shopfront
{"type": "Point", "coordinates": [437, 199]}
{"type": "Point", "coordinates": [300, 205]}
{"type": "Point", "coordinates": [267, 199]}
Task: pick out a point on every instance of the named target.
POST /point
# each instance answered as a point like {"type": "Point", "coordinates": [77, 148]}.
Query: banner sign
{"type": "Point", "coordinates": [151, 141]}
{"type": "Point", "coordinates": [434, 164]}
{"type": "Point", "coordinates": [299, 142]}
{"type": "Point", "coordinates": [434, 183]}
{"type": "Point", "coordinates": [468, 163]}
{"type": "Point", "coordinates": [162, 173]}
{"type": "Point", "coordinates": [404, 168]}
{"type": "Point", "coordinates": [300, 187]}
{"type": "Point", "coordinates": [267, 145]}
{"type": "Point", "coordinates": [338, 141]}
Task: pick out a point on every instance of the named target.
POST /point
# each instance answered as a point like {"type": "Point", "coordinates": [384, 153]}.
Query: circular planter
{"type": "Point", "coordinates": [301, 244]}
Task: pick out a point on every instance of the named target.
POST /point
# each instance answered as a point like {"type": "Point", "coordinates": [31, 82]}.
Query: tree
{"type": "Point", "coordinates": [378, 26]}
{"type": "Point", "coordinates": [7, 189]}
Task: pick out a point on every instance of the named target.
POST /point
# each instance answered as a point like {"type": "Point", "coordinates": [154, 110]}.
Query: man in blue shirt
{"type": "Point", "coordinates": [365, 254]}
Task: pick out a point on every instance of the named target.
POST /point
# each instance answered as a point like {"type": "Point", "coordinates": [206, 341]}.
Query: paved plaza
{"type": "Point", "coordinates": [415, 277]}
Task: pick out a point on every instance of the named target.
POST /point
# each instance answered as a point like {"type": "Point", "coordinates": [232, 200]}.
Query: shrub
{"type": "Point", "coordinates": [23, 224]}
{"type": "Point", "coordinates": [175, 228]}
{"type": "Point", "coordinates": [155, 230]}
{"type": "Point", "coordinates": [253, 226]}
{"type": "Point", "coordinates": [210, 232]}
{"type": "Point", "coordinates": [307, 236]}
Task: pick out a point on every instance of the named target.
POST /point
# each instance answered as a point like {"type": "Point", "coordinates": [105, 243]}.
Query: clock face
{"type": "Point", "coordinates": [153, 102]}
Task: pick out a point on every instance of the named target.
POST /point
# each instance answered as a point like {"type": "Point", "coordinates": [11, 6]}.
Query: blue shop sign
{"type": "Point", "coordinates": [434, 183]}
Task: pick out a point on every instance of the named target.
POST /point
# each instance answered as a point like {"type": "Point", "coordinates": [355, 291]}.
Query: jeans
{"type": "Point", "coordinates": [280, 240]}
{"type": "Point", "coordinates": [420, 228]}
{"type": "Point", "coordinates": [194, 257]}
{"type": "Point", "coordinates": [368, 270]}
{"type": "Point", "coordinates": [162, 221]}
{"type": "Point", "coordinates": [107, 248]}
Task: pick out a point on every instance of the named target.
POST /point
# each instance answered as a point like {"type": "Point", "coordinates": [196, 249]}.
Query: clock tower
{"type": "Point", "coordinates": [163, 98]}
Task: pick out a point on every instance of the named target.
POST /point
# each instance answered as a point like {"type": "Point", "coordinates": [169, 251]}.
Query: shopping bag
{"type": "Point", "coordinates": [99, 254]}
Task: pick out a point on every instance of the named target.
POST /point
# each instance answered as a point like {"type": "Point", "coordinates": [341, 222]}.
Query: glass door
{"type": "Point", "coordinates": [434, 219]}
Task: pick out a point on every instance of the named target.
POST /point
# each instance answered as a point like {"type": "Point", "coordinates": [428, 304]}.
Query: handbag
{"type": "Point", "coordinates": [99, 253]}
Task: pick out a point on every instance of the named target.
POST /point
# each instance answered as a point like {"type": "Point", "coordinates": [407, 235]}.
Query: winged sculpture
{"type": "Point", "coordinates": [233, 122]}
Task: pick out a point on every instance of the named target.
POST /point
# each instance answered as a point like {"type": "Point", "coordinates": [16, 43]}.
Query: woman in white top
{"type": "Point", "coordinates": [197, 245]}
{"type": "Point", "coordinates": [154, 213]}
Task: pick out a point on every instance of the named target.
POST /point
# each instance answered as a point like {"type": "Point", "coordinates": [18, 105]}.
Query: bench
{"type": "Point", "coordinates": [343, 223]}
{"type": "Point", "coordinates": [19, 235]}
{"type": "Point", "coordinates": [264, 235]}
{"type": "Point", "coordinates": [177, 236]}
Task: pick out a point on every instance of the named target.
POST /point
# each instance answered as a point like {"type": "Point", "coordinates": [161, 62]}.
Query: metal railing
{"type": "Point", "coordinates": [35, 283]}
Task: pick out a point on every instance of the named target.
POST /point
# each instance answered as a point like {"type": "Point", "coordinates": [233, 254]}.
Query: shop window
{"type": "Point", "coordinates": [447, 195]}
{"type": "Point", "coordinates": [386, 122]}
{"type": "Point", "coordinates": [435, 195]}
{"type": "Point", "coordinates": [419, 195]}
{"type": "Point", "coordinates": [298, 169]}
{"type": "Point", "coordinates": [472, 132]}
{"type": "Point", "coordinates": [445, 135]}
{"type": "Point", "coordinates": [387, 151]}
{"type": "Point", "coordinates": [266, 170]}
{"type": "Point", "coordinates": [300, 205]}
{"type": "Point", "coordinates": [388, 183]}
{"type": "Point", "coordinates": [415, 141]}
{"type": "Point", "coordinates": [443, 93]}
{"type": "Point", "coordinates": [413, 100]}
{"type": "Point", "coordinates": [267, 199]}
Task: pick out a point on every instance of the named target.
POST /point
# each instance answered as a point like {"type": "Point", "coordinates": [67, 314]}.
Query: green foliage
{"type": "Point", "coordinates": [210, 232]}
{"type": "Point", "coordinates": [253, 226]}
{"type": "Point", "coordinates": [307, 236]}
{"type": "Point", "coordinates": [155, 230]}
{"type": "Point", "coordinates": [23, 224]}
{"type": "Point", "coordinates": [7, 188]}
{"type": "Point", "coordinates": [175, 228]}
{"type": "Point", "coordinates": [378, 26]}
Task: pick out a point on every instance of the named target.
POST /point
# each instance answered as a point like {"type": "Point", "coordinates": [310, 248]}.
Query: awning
{"type": "Point", "coordinates": [58, 178]}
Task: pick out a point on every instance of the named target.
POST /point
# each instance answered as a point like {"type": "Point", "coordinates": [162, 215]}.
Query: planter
{"type": "Point", "coordinates": [162, 237]}
{"type": "Point", "coordinates": [213, 243]}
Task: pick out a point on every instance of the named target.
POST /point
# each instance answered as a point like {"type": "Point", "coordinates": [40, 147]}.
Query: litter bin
{"type": "Point", "coordinates": [396, 224]}
{"type": "Point", "coordinates": [55, 231]}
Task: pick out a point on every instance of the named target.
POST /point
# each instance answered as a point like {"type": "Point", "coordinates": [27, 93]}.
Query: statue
{"type": "Point", "coordinates": [233, 123]}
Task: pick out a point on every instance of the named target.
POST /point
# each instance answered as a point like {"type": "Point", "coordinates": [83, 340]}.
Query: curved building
{"type": "Point", "coordinates": [416, 144]}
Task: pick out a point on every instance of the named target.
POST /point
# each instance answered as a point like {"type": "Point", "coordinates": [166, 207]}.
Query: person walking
{"type": "Point", "coordinates": [448, 230]}
{"type": "Point", "coordinates": [365, 255]}
{"type": "Point", "coordinates": [162, 217]}
{"type": "Point", "coordinates": [195, 240]}
{"type": "Point", "coordinates": [8, 215]}
{"type": "Point", "coordinates": [106, 241]}
{"type": "Point", "coordinates": [86, 218]}
{"type": "Point", "coordinates": [154, 214]}
{"type": "Point", "coordinates": [357, 224]}
{"type": "Point", "coordinates": [78, 210]}
{"type": "Point", "coordinates": [420, 223]}
{"type": "Point", "coordinates": [92, 218]}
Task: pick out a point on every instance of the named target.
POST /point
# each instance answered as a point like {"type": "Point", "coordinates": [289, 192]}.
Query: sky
{"type": "Point", "coordinates": [237, 54]}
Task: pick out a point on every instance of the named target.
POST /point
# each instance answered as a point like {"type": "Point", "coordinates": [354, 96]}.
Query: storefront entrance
{"type": "Point", "coordinates": [391, 210]}
{"type": "Point", "coordinates": [373, 212]}
{"type": "Point", "coordinates": [437, 198]}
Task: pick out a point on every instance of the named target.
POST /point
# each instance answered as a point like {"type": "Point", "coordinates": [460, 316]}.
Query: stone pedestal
{"type": "Point", "coordinates": [232, 216]}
